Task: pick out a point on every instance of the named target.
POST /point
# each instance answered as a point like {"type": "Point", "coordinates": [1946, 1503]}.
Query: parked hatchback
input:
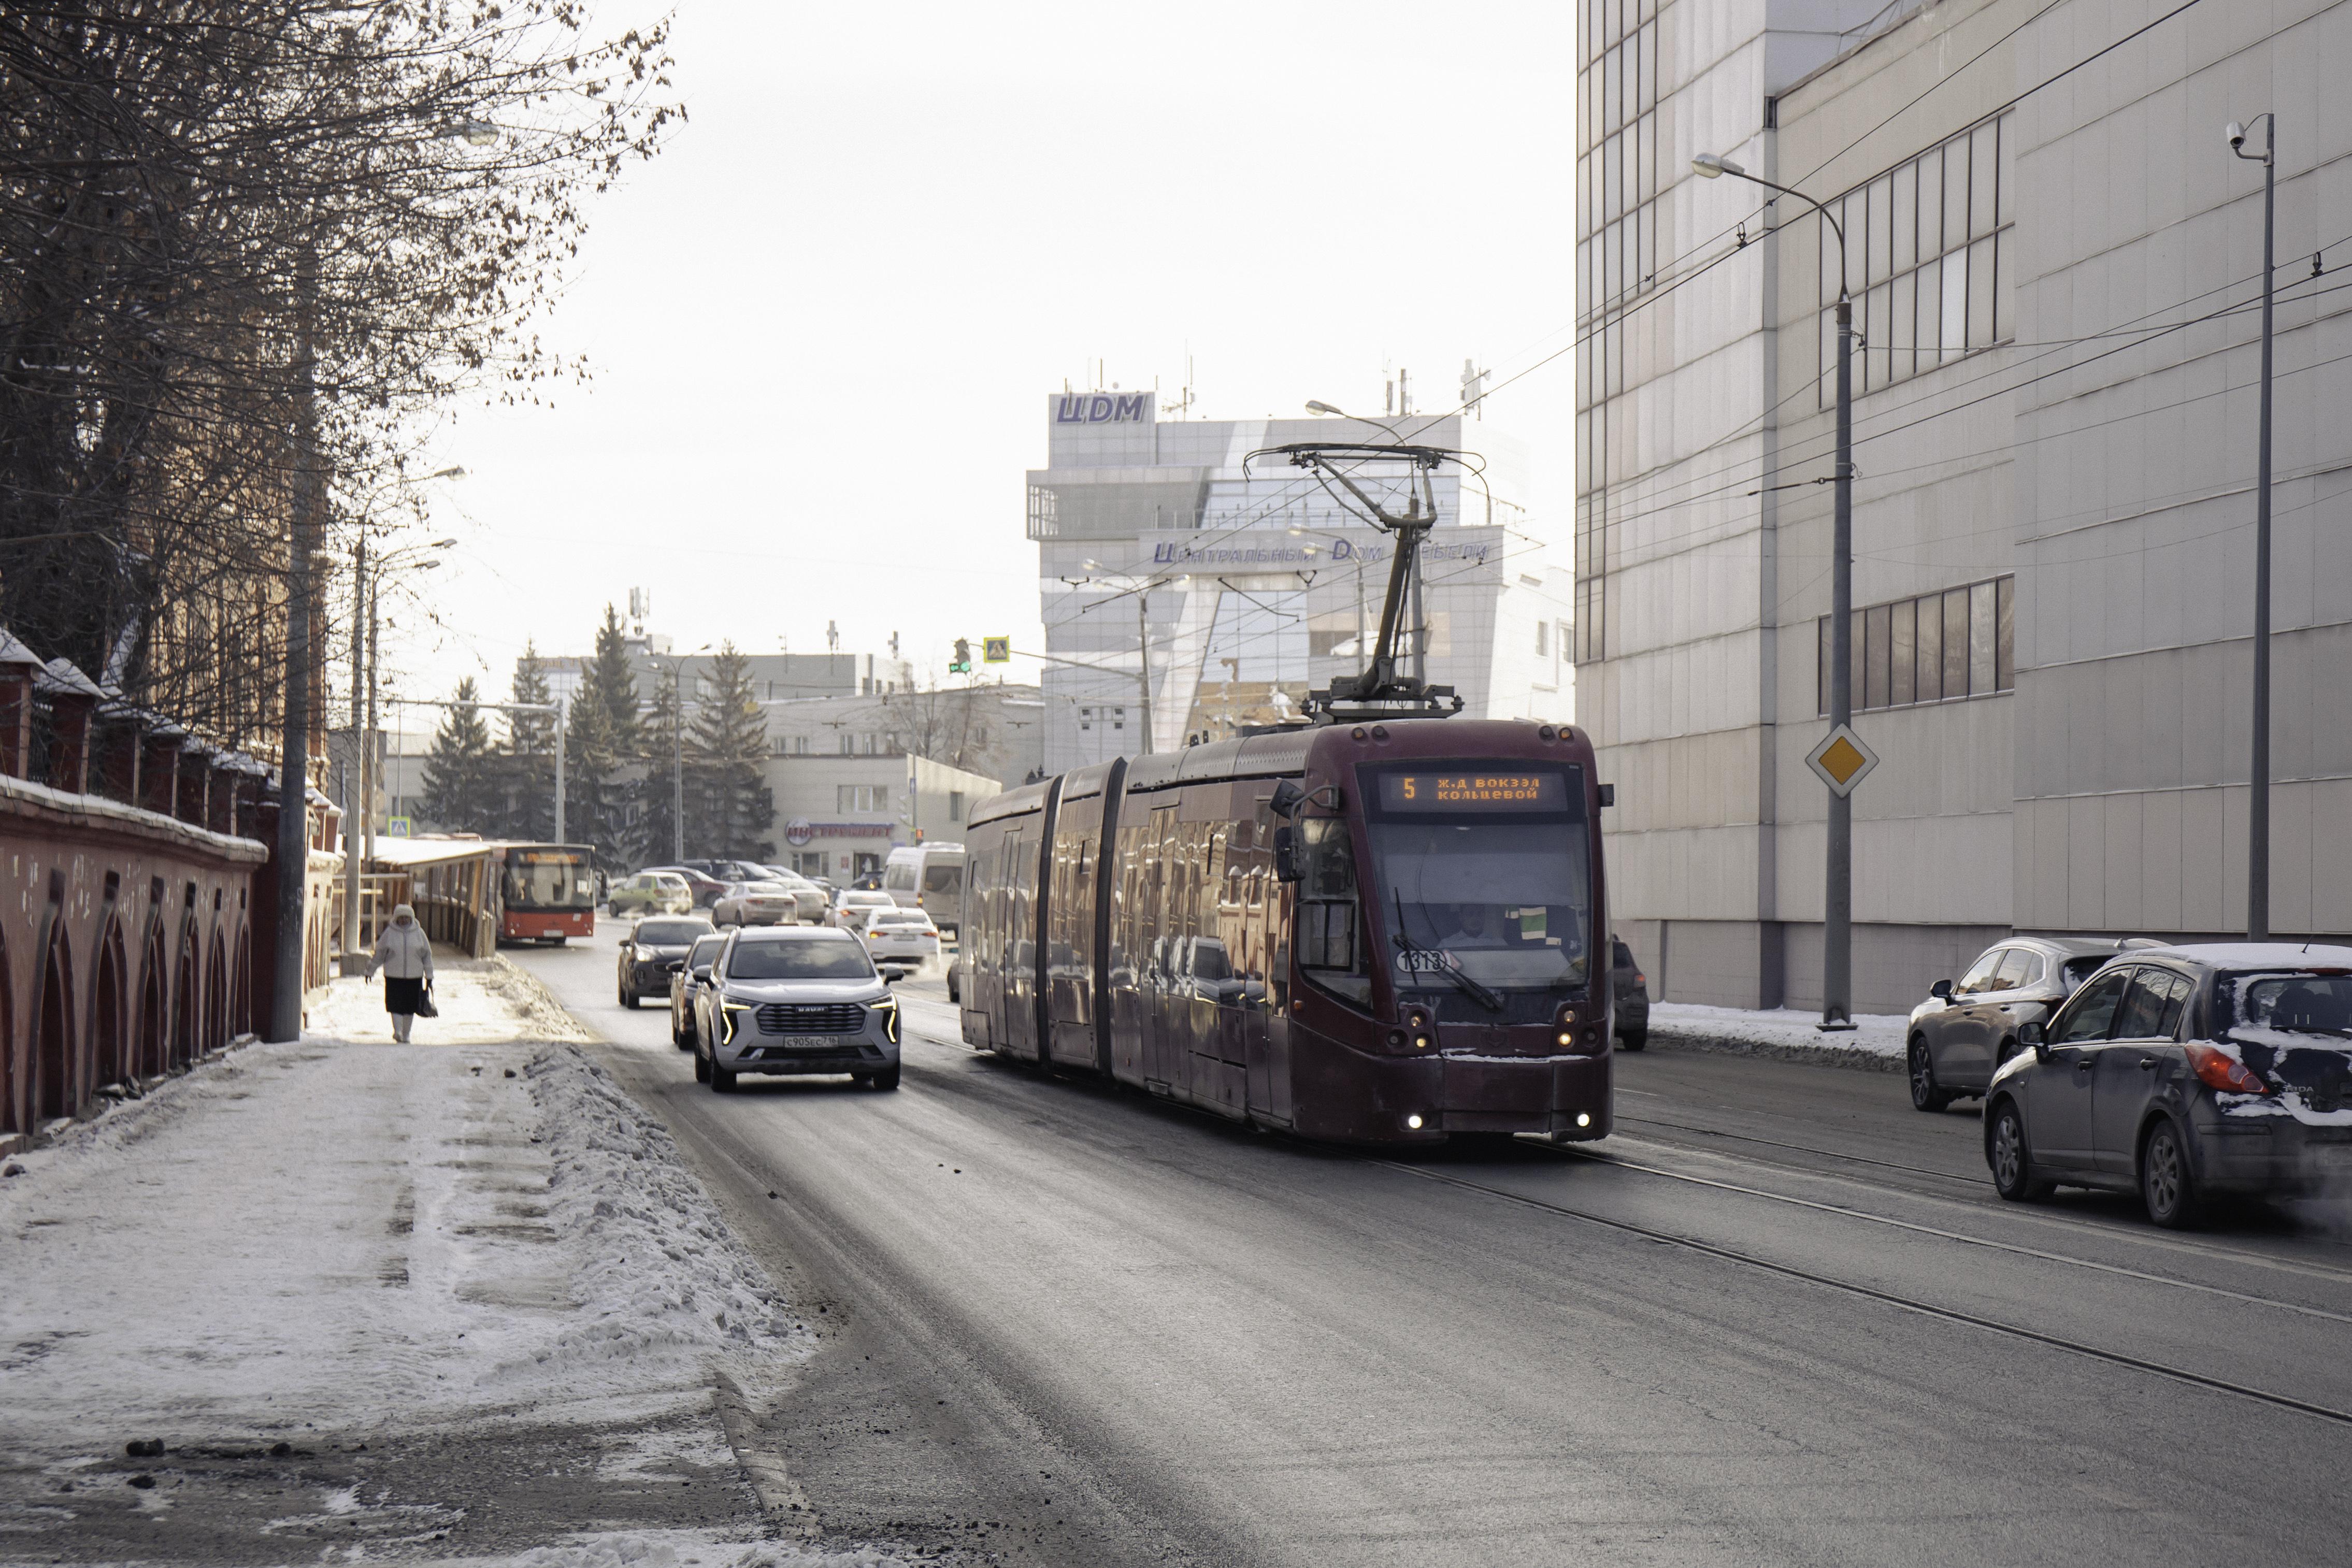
{"type": "Point", "coordinates": [649, 949]}
{"type": "Point", "coordinates": [2181, 1072]}
{"type": "Point", "coordinates": [1962, 1033]}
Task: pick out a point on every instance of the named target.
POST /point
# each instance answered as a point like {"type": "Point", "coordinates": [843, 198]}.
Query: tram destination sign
{"type": "Point", "coordinates": [1474, 790]}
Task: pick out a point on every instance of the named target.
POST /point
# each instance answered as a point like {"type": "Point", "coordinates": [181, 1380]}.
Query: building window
{"type": "Point", "coordinates": [861, 797]}
{"type": "Point", "coordinates": [1543, 639]}
{"type": "Point", "coordinates": [1961, 642]}
{"type": "Point", "coordinates": [955, 805]}
{"type": "Point", "coordinates": [1925, 247]}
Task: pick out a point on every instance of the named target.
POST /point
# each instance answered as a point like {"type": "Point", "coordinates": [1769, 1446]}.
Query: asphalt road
{"type": "Point", "coordinates": [1780, 1319]}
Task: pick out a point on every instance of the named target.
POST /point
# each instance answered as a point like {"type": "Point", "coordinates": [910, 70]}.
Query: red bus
{"type": "Point", "coordinates": [1392, 933]}
{"type": "Point", "coordinates": [546, 892]}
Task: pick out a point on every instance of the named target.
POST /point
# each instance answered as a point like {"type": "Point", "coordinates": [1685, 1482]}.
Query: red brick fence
{"type": "Point", "coordinates": [137, 893]}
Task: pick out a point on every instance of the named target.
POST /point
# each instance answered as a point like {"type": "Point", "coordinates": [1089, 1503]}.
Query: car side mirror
{"type": "Point", "coordinates": [2032, 1033]}
{"type": "Point", "coordinates": [892, 976]}
{"type": "Point", "coordinates": [674, 965]}
{"type": "Point", "coordinates": [624, 941]}
{"type": "Point", "coordinates": [702, 971]}
{"type": "Point", "coordinates": [1941, 990]}
{"type": "Point", "coordinates": [1285, 854]}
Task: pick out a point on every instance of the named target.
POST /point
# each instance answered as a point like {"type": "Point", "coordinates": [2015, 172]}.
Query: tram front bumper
{"type": "Point", "coordinates": [1351, 1096]}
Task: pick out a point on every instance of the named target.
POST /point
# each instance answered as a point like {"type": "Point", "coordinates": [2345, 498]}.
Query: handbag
{"type": "Point", "coordinates": [424, 1008]}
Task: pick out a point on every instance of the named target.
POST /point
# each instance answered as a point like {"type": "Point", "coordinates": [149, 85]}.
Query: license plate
{"type": "Point", "coordinates": [816, 1042]}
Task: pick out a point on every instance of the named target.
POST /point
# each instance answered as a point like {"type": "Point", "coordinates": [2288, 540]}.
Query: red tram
{"type": "Point", "coordinates": [1375, 933]}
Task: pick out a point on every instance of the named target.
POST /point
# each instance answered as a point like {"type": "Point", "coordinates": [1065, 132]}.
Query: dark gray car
{"type": "Point", "coordinates": [652, 946]}
{"type": "Point", "coordinates": [1631, 989]}
{"type": "Point", "coordinates": [688, 976]}
{"type": "Point", "coordinates": [1962, 1033]}
{"type": "Point", "coordinates": [2184, 1072]}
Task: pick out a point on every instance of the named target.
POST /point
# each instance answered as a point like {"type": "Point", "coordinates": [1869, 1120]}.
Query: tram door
{"type": "Point", "coordinates": [1166, 1058]}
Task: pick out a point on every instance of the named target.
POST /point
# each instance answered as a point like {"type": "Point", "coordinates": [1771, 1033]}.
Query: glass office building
{"type": "Point", "coordinates": [1194, 581]}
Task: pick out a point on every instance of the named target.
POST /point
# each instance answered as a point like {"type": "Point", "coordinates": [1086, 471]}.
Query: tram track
{"type": "Point", "coordinates": [1903, 1302]}
{"type": "Point", "coordinates": [1974, 1181]}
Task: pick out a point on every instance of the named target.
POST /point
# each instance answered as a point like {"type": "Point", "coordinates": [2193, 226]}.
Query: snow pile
{"type": "Point", "coordinates": [679, 1549]}
{"type": "Point", "coordinates": [1877, 1040]}
{"type": "Point", "coordinates": [329, 1236]}
{"type": "Point", "coordinates": [658, 1276]}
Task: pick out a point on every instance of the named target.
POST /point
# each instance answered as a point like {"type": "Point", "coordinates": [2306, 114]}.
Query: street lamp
{"type": "Point", "coordinates": [1837, 921]}
{"type": "Point", "coordinates": [2258, 775]}
{"type": "Point", "coordinates": [1316, 406]}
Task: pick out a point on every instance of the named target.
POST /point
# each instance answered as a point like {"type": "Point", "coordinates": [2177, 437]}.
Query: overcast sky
{"type": "Point", "coordinates": [824, 321]}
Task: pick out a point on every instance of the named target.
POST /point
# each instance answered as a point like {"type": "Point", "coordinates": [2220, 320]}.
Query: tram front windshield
{"type": "Point", "coordinates": [1484, 871]}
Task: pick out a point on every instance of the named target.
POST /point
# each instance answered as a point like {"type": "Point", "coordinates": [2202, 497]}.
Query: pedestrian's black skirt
{"type": "Point", "coordinates": [402, 996]}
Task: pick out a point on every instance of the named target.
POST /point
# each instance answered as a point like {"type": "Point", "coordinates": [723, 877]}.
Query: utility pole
{"type": "Point", "coordinates": [1143, 658]}
{"type": "Point", "coordinates": [1837, 911]}
{"type": "Point", "coordinates": [561, 715]}
{"type": "Point", "coordinates": [294, 756]}
{"type": "Point", "coordinates": [2258, 772]}
{"type": "Point", "coordinates": [354, 785]}
{"type": "Point", "coordinates": [371, 780]}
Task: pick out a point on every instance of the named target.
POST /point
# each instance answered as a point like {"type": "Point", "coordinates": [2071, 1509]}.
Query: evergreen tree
{"type": "Point", "coordinates": [526, 766]}
{"type": "Point", "coordinates": [667, 753]}
{"type": "Point", "coordinates": [459, 781]}
{"type": "Point", "coordinates": [603, 735]}
{"type": "Point", "coordinates": [729, 808]}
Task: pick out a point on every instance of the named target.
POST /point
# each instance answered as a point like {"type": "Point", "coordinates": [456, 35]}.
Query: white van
{"type": "Point", "coordinates": [928, 877]}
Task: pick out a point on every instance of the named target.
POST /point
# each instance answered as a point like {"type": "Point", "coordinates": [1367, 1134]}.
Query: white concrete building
{"type": "Point", "coordinates": [2052, 253]}
{"type": "Point", "coordinates": [1244, 584]}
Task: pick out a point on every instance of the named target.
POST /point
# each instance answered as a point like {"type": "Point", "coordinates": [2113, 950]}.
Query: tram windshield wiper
{"type": "Point", "coordinates": [1484, 995]}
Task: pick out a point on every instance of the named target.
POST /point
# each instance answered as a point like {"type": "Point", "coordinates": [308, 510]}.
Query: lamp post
{"type": "Point", "coordinates": [677, 750]}
{"type": "Point", "coordinates": [1837, 914]}
{"type": "Point", "coordinates": [2258, 773]}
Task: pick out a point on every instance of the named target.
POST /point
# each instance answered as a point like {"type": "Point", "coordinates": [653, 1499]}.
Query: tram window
{"type": "Point", "coordinates": [1327, 936]}
{"type": "Point", "coordinates": [1330, 870]}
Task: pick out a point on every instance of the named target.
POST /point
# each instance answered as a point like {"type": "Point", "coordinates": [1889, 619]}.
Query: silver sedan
{"type": "Point", "coordinates": [756, 903]}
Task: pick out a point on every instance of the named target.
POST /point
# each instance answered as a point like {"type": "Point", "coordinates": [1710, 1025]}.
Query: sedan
{"type": "Point", "coordinates": [1962, 1033]}
{"type": "Point", "coordinates": [651, 892]}
{"type": "Point", "coordinates": [852, 905]}
{"type": "Point", "coordinates": [901, 936]}
{"type": "Point", "coordinates": [757, 904]}
{"type": "Point", "coordinates": [687, 980]}
{"type": "Point", "coordinates": [706, 889]}
{"type": "Point", "coordinates": [812, 898]}
{"type": "Point", "coordinates": [647, 952]}
{"type": "Point", "coordinates": [797, 1002]}
{"type": "Point", "coordinates": [2182, 1072]}
{"type": "Point", "coordinates": [1629, 989]}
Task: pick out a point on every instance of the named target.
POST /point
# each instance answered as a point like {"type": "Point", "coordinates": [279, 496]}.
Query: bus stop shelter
{"type": "Point", "coordinates": [452, 883]}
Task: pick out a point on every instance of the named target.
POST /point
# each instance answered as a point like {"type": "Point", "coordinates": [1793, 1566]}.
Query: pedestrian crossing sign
{"type": "Point", "coordinates": [1842, 760]}
{"type": "Point", "coordinates": [996, 650]}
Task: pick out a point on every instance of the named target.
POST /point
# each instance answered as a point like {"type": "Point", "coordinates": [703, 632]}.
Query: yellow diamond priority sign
{"type": "Point", "coordinates": [1842, 760]}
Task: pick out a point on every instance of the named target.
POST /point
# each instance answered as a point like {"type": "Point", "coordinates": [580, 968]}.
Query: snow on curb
{"type": "Point", "coordinates": [1876, 1044]}
{"type": "Point", "coordinates": [679, 1549]}
{"type": "Point", "coordinates": [660, 1272]}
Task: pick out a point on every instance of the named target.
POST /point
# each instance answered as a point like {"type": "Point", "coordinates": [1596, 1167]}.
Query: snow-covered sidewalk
{"type": "Point", "coordinates": [1876, 1039]}
{"type": "Point", "coordinates": [343, 1282]}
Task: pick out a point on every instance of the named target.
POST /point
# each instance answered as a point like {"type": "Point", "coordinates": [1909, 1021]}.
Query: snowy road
{"type": "Point", "coordinates": [1780, 1318]}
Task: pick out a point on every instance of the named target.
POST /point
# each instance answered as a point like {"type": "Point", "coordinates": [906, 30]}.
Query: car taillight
{"type": "Point", "coordinates": [2217, 1069]}
{"type": "Point", "coordinates": [1640, 978]}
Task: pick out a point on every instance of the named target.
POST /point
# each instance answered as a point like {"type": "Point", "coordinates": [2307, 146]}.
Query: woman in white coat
{"type": "Point", "coordinates": [405, 954]}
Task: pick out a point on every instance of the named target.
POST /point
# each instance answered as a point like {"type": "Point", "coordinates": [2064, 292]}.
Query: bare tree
{"type": "Point", "coordinates": [246, 247]}
{"type": "Point", "coordinates": [942, 723]}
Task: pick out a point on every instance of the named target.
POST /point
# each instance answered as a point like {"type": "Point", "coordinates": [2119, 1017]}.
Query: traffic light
{"type": "Point", "coordinates": [962, 663]}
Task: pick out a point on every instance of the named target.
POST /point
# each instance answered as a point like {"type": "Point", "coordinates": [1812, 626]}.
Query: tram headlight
{"type": "Point", "coordinates": [1566, 1038]}
{"type": "Point", "coordinates": [1413, 1124]}
{"type": "Point", "coordinates": [1584, 1118]}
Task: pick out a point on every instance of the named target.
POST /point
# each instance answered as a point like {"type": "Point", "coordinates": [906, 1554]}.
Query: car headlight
{"type": "Point", "coordinates": [888, 1008]}
{"type": "Point", "coordinates": [729, 1010]}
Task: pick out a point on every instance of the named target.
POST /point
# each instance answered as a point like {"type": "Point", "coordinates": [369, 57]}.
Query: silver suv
{"type": "Point", "coordinates": [796, 1000]}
